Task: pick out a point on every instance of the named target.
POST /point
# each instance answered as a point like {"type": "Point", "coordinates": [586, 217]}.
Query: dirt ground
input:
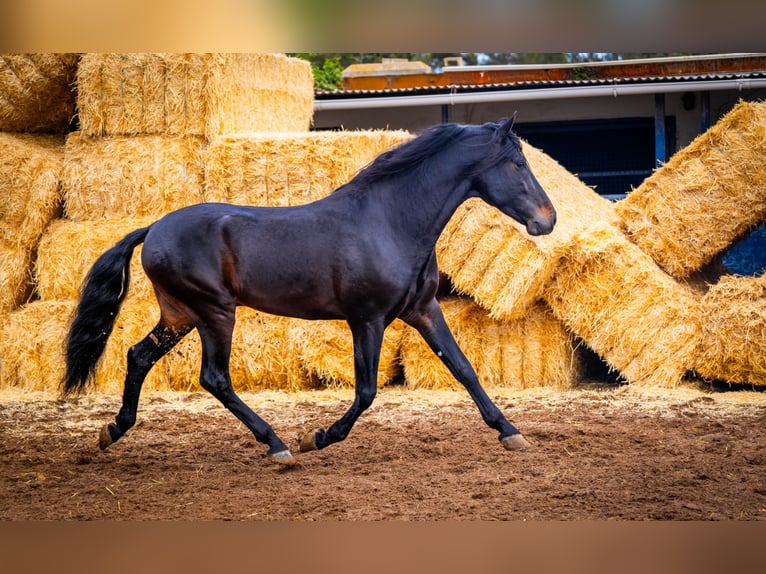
{"type": "Point", "coordinates": [618, 453]}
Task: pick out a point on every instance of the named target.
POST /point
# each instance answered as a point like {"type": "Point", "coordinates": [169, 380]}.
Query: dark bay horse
{"type": "Point", "coordinates": [365, 254]}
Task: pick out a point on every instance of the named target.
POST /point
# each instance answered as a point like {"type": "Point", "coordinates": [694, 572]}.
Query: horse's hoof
{"type": "Point", "coordinates": [308, 443]}
{"type": "Point", "coordinates": [282, 458]}
{"type": "Point", "coordinates": [515, 442]}
{"type": "Point", "coordinates": [105, 437]}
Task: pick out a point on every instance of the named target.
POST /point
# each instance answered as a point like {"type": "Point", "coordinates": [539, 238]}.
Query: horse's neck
{"type": "Point", "coordinates": [425, 207]}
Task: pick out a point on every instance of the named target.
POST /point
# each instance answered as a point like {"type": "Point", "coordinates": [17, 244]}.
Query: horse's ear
{"type": "Point", "coordinates": [506, 124]}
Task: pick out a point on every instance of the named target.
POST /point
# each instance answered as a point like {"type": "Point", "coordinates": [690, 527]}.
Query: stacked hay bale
{"type": "Point", "coordinates": [637, 318]}
{"type": "Point", "coordinates": [533, 351]}
{"type": "Point", "coordinates": [159, 132]}
{"type": "Point", "coordinates": [705, 197]}
{"type": "Point", "coordinates": [582, 271]}
{"type": "Point", "coordinates": [36, 94]}
{"type": "Point", "coordinates": [145, 120]}
{"type": "Point", "coordinates": [733, 346]}
{"type": "Point", "coordinates": [36, 105]}
{"type": "Point", "coordinates": [692, 209]}
{"type": "Point", "coordinates": [29, 199]}
{"type": "Point", "coordinates": [490, 257]}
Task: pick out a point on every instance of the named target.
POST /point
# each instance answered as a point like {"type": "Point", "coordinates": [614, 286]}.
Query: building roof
{"type": "Point", "coordinates": [726, 69]}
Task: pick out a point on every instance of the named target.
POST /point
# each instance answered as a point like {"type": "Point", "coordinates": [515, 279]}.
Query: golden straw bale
{"type": "Point", "coordinates": [193, 94]}
{"type": "Point", "coordinates": [262, 356]}
{"type": "Point", "coordinates": [69, 249]}
{"type": "Point", "coordinates": [637, 318]}
{"type": "Point", "coordinates": [32, 345]}
{"type": "Point", "coordinates": [15, 276]}
{"type": "Point", "coordinates": [534, 351]}
{"type": "Point", "coordinates": [290, 169]}
{"type": "Point", "coordinates": [326, 351]}
{"type": "Point", "coordinates": [705, 197]}
{"type": "Point", "coordinates": [138, 176]}
{"type": "Point", "coordinates": [490, 257]}
{"type": "Point", "coordinates": [30, 194]}
{"type": "Point", "coordinates": [258, 93]}
{"type": "Point", "coordinates": [733, 345]}
{"type": "Point", "coordinates": [36, 92]}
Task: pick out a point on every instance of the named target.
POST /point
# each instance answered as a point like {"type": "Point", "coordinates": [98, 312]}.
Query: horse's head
{"type": "Point", "coordinates": [505, 181]}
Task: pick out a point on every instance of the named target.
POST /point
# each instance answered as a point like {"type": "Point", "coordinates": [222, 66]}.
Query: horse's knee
{"type": "Point", "coordinates": [365, 397]}
{"type": "Point", "coordinates": [217, 384]}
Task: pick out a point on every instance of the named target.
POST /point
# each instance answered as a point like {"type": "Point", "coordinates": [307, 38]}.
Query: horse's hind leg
{"type": "Point", "coordinates": [141, 358]}
{"type": "Point", "coordinates": [215, 378]}
{"type": "Point", "coordinates": [429, 321]}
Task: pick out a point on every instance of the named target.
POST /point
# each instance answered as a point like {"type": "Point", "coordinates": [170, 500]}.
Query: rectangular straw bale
{"type": "Point", "coordinates": [193, 94]}
{"type": "Point", "coordinates": [36, 93]}
{"type": "Point", "coordinates": [290, 169]}
{"type": "Point", "coordinates": [637, 318]}
{"type": "Point", "coordinates": [141, 176]}
{"type": "Point", "coordinates": [30, 192]}
{"type": "Point", "coordinates": [262, 356]}
{"type": "Point", "coordinates": [490, 257]}
{"type": "Point", "coordinates": [15, 276]}
{"type": "Point", "coordinates": [733, 342]}
{"type": "Point", "coordinates": [326, 351]}
{"type": "Point", "coordinates": [69, 249]}
{"type": "Point", "coordinates": [534, 351]}
{"type": "Point", "coordinates": [258, 93]}
{"type": "Point", "coordinates": [32, 346]}
{"type": "Point", "coordinates": [705, 197]}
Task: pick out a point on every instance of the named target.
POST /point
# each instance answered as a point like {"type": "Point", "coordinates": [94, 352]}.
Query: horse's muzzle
{"type": "Point", "coordinates": [543, 221]}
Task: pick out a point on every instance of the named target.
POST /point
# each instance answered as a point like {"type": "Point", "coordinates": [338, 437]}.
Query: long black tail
{"type": "Point", "coordinates": [103, 292]}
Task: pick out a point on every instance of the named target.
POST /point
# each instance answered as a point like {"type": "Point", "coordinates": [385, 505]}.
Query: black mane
{"type": "Point", "coordinates": [414, 153]}
{"type": "Point", "coordinates": [411, 154]}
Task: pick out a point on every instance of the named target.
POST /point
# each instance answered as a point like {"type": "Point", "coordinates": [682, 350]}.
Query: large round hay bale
{"type": "Point", "coordinates": [36, 92]}
{"type": "Point", "coordinates": [193, 94]}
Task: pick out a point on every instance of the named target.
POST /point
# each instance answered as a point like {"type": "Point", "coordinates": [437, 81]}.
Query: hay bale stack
{"type": "Point", "coordinates": [535, 351]}
{"type": "Point", "coordinates": [69, 249]}
{"type": "Point", "coordinates": [138, 176]}
{"type": "Point", "coordinates": [36, 92]}
{"type": "Point", "coordinates": [708, 194]}
{"type": "Point", "coordinates": [733, 341]}
{"type": "Point", "coordinates": [290, 169]}
{"type": "Point", "coordinates": [30, 198]}
{"type": "Point", "coordinates": [193, 94]}
{"type": "Point", "coordinates": [32, 349]}
{"type": "Point", "coordinates": [15, 276]}
{"type": "Point", "coordinates": [326, 351]}
{"type": "Point", "coordinates": [262, 356]}
{"type": "Point", "coordinates": [490, 257]}
{"type": "Point", "coordinates": [637, 318]}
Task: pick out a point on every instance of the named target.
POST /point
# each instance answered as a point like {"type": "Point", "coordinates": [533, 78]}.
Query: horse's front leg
{"type": "Point", "coordinates": [429, 321]}
{"type": "Point", "coordinates": [368, 339]}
